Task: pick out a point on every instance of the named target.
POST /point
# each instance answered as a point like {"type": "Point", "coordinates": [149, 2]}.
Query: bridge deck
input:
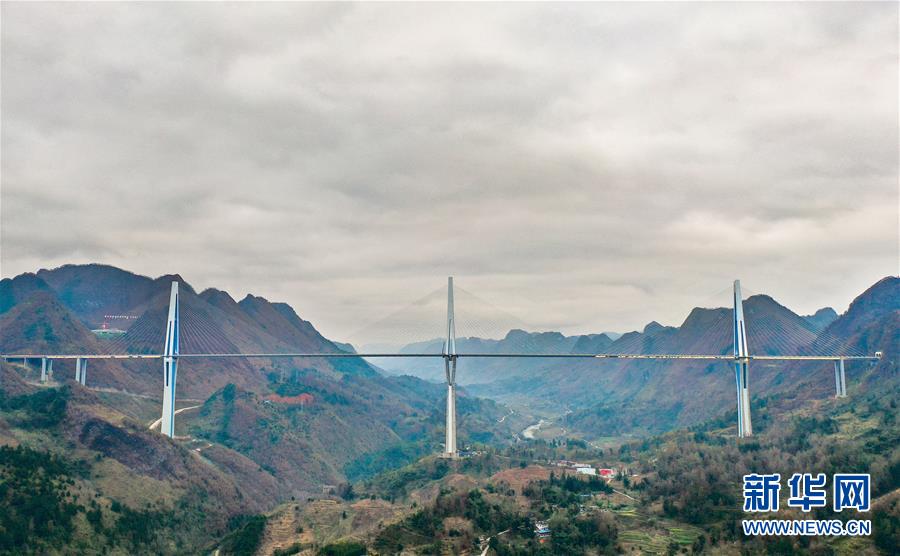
{"type": "Point", "coordinates": [440, 355]}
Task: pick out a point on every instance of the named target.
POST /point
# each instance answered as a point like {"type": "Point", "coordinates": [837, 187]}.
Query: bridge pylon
{"type": "Point", "coordinates": [741, 365]}
{"type": "Point", "coordinates": [840, 379]}
{"type": "Point", "coordinates": [80, 370]}
{"type": "Point", "coordinates": [450, 357]}
{"type": "Point", "coordinates": [170, 365]}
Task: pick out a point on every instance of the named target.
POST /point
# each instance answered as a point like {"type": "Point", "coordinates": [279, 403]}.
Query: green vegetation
{"type": "Point", "coordinates": [289, 550]}
{"type": "Point", "coordinates": [398, 483]}
{"type": "Point", "coordinates": [564, 491]}
{"type": "Point", "coordinates": [343, 549]}
{"type": "Point", "coordinates": [295, 389]}
{"type": "Point", "coordinates": [687, 490]}
{"type": "Point", "coordinates": [682, 493]}
{"type": "Point", "coordinates": [491, 513]}
{"type": "Point", "coordinates": [138, 527]}
{"type": "Point", "coordinates": [34, 492]}
{"type": "Point", "coordinates": [45, 408]}
{"type": "Point", "coordinates": [227, 398]}
{"type": "Point", "coordinates": [75, 504]}
{"type": "Point", "coordinates": [371, 464]}
{"type": "Point", "coordinates": [695, 476]}
{"type": "Point", "coordinates": [886, 525]}
{"type": "Point", "coordinates": [576, 536]}
{"type": "Point", "coordinates": [42, 501]}
{"type": "Point", "coordinates": [244, 541]}
{"type": "Point", "coordinates": [424, 527]}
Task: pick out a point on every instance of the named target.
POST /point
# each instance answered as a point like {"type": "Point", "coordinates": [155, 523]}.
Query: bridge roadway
{"type": "Point", "coordinates": [457, 356]}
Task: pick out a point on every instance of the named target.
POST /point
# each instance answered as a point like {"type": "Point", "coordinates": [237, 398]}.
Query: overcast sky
{"type": "Point", "coordinates": [584, 167]}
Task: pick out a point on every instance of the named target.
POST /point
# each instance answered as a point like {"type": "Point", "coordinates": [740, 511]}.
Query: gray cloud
{"type": "Point", "coordinates": [584, 166]}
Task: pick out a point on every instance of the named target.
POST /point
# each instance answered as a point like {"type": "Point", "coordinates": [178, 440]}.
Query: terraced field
{"type": "Point", "coordinates": [643, 542]}
{"type": "Point", "coordinates": [652, 535]}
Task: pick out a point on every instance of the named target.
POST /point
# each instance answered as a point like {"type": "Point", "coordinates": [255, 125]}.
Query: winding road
{"type": "Point", "coordinates": [155, 424]}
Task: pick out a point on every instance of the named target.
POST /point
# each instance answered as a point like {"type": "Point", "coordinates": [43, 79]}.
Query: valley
{"type": "Point", "coordinates": [336, 456]}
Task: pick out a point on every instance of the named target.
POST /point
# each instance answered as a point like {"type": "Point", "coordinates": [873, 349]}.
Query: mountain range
{"type": "Point", "coordinates": [603, 397]}
{"type": "Point", "coordinates": [55, 310]}
{"type": "Point", "coordinates": [304, 422]}
{"type": "Point", "coordinates": [252, 434]}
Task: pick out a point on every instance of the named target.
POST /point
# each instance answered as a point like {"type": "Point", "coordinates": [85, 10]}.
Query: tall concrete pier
{"type": "Point", "coordinates": [170, 365]}
{"type": "Point", "coordinates": [450, 357]}
{"type": "Point", "coordinates": [741, 364]}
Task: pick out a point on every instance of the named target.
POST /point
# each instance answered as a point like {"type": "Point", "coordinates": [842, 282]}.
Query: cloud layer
{"type": "Point", "coordinates": [584, 166]}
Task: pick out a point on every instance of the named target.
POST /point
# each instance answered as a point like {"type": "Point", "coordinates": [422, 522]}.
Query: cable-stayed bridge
{"type": "Point", "coordinates": [731, 325]}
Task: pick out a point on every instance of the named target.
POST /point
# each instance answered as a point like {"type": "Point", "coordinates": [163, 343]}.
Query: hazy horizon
{"type": "Point", "coordinates": [488, 322]}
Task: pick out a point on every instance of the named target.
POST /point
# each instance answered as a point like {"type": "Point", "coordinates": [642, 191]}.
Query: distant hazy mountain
{"type": "Point", "coordinates": [822, 318]}
{"type": "Point", "coordinates": [478, 371]}
{"type": "Point", "coordinates": [632, 396]}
